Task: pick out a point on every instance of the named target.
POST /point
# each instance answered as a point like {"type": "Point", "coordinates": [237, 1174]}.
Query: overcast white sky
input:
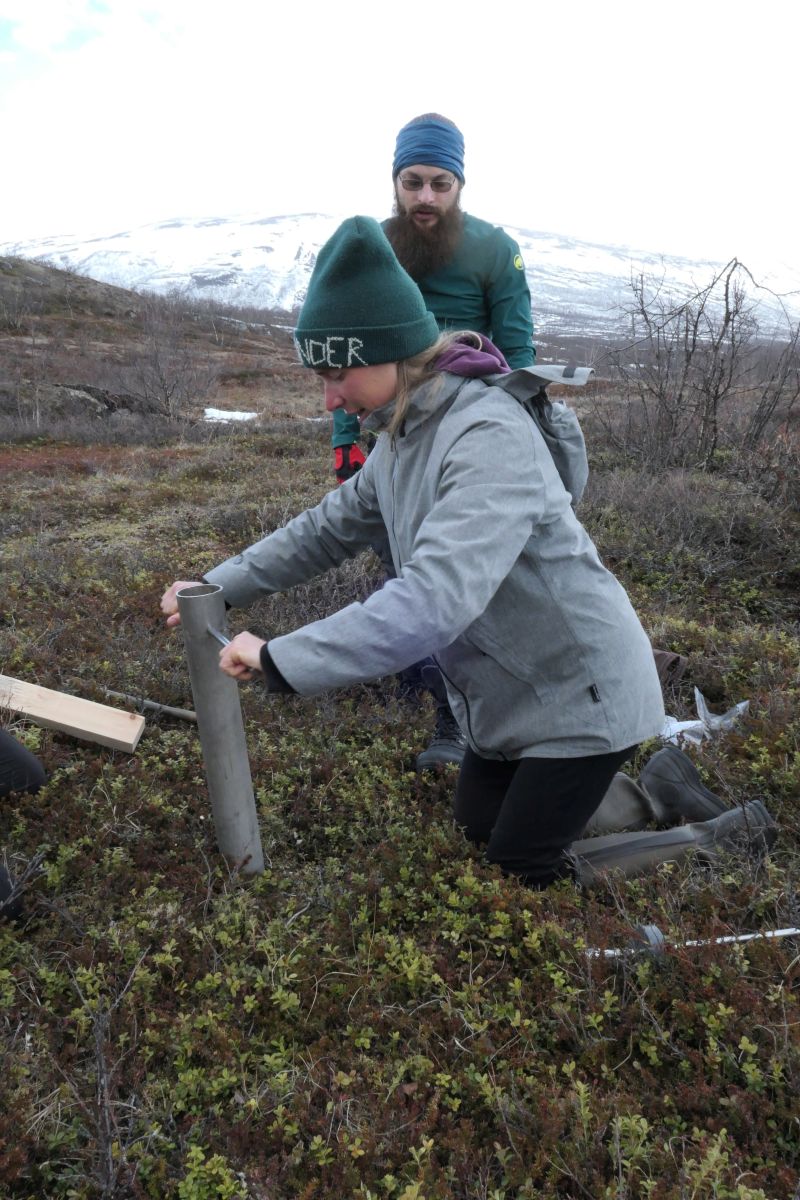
{"type": "Point", "coordinates": [670, 127]}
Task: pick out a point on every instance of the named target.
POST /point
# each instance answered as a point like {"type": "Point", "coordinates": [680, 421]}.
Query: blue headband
{"type": "Point", "coordinates": [429, 143]}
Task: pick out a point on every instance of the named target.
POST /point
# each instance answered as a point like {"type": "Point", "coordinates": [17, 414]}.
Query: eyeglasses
{"type": "Point", "coordinates": [413, 183]}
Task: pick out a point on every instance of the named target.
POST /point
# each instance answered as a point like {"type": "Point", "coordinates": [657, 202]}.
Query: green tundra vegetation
{"type": "Point", "coordinates": [380, 1015]}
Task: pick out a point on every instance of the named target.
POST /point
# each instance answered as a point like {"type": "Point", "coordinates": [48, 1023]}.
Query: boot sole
{"type": "Point", "coordinates": [424, 761]}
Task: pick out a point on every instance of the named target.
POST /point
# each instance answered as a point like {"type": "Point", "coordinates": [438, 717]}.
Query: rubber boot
{"type": "Point", "coordinates": [448, 744]}
{"type": "Point", "coordinates": [625, 805]}
{"type": "Point", "coordinates": [749, 827]}
{"type": "Point", "coordinates": [669, 790]}
{"type": "Point", "coordinates": [673, 783]}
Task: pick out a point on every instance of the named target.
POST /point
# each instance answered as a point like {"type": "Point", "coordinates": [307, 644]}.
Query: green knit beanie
{"type": "Point", "coordinates": [361, 307]}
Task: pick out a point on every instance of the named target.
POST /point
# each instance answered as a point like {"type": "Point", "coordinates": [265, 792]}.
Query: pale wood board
{"type": "Point", "coordinates": [83, 719]}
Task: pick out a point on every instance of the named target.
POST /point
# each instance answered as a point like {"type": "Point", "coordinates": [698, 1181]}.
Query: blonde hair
{"type": "Point", "coordinates": [412, 372]}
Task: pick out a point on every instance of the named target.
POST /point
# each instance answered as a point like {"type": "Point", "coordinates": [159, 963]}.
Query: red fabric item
{"type": "Point", "coordinates": [347, 460]}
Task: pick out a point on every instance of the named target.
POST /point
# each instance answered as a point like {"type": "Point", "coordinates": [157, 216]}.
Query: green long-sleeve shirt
{"type": "Point", "coordinates": [483, 288]}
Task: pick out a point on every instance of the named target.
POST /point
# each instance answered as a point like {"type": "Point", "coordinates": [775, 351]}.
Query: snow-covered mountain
{"type": "Point", "coordinates": [577, 286]}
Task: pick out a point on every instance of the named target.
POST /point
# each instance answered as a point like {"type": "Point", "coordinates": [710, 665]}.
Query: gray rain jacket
{"type": "Point", "coordinates": [540, 649]}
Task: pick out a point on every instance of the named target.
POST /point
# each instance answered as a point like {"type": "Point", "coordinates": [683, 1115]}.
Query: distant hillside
{"type": "Point", "coordinates": [579, 288]}
{"type": "Point", "coordinates": [71, 346]}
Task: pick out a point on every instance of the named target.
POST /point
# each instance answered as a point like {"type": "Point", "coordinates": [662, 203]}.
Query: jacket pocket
{"type": "Point", "coordinates": [512, 659]}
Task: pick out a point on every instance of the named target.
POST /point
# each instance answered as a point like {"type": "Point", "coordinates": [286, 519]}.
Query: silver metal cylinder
{"type": "Point", "coordinates": [221, 729]}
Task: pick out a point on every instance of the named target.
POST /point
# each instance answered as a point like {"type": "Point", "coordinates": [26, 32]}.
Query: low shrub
{"type": "Point", "coordinates": [381, 1013]}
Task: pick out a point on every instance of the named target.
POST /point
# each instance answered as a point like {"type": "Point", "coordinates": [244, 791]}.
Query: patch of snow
{"type": "Point", "coordinates": [224, 414]}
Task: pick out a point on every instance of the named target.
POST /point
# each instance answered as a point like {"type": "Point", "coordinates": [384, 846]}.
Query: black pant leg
{"type": "Point", "coordinates": [480, 792]}
{"type": "Point", "coordinates": [530, 811]}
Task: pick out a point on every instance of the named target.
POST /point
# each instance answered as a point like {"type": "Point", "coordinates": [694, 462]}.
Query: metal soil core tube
{"type": "Point", "coordinates": [221, 729]}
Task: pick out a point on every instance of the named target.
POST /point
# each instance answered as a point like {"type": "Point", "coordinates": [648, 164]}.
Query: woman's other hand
{"type": "Point", "coordinates": [169, 601]}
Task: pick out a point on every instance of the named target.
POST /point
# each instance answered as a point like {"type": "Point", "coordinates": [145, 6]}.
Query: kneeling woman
{"type": "Point", "coordinates": [548, 671]}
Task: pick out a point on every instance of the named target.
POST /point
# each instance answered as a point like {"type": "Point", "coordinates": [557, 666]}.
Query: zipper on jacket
{"type": "Point", "coordinates": [395, 458]}
{"type": "Point", "coordinates": [464, 699]}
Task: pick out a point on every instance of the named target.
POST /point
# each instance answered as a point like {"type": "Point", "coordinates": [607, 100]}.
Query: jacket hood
{"type": "Point", "coordinates": [424, 401]}
{"type": "Point", "coordinates": [463, 358]}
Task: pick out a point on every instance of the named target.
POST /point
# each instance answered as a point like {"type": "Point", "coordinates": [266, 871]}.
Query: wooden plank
{"type": "Point", "coordinates": [83, 719]}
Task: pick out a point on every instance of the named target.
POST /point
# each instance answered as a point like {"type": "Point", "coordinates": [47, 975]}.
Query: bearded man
{"type": "Point", "coordinates": [470, 273]}
{"type": "Point", "coordinates": [471, 276]}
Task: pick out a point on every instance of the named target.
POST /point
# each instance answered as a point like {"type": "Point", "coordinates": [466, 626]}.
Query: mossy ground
{"type": "Point", "coordinates": [380, 1014]}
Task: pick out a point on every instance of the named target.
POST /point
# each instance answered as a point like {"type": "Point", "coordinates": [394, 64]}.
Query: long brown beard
{"type": "Point", "coordinates": [423, 251]}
